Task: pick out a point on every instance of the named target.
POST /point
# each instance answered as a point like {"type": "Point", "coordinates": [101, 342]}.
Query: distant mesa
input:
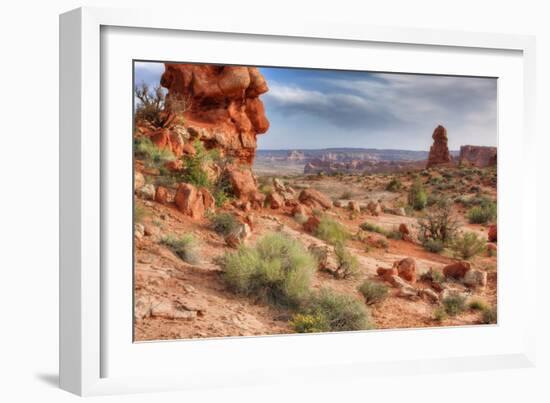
{"type": "Point", "coordinates": [439, 151]}
{"type": "Point", "coordinates": [295, 155]}
{"type": "Point", "coordinates": [477, 156]}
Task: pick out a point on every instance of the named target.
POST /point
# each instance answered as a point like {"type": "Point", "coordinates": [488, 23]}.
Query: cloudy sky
{"type": "Point", "coordinates": [325, 108]}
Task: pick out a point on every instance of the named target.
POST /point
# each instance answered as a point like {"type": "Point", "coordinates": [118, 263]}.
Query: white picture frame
{"type": "Point", "coordinates": [93, 327]}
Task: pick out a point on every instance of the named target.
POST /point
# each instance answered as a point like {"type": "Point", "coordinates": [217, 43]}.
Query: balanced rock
{"type": "Point", "coordinates": [439, 151]}
{"type": "Point", "coordinates": [220, 105]}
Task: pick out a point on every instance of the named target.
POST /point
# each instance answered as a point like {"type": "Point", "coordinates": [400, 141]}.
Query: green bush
{"type": "Point", "coordinates": [223, 223]}
{"type": "Point", "coordinates": [348, 264]}
{"type": "Point", "coordinates": [483, 213]}
{"type": "Point", "coordinates": [341, 312]}
{"type": "Point", "coordinates": [394, 185]}
{"type": "Point", "coordinates": [434, 276]}
{"type": "Point", "coordinates": [150, 105]}
{"type": "Point", "coordinates": [139, 213]}
{"type": "Point", "coordinates": [331, 231]}
{"type": "Point", "coordinates": [367, 226]}
{"type": "Point", "coordinates": [373, 291]}
{"type": "Point", "coordinates": [154, 156]}
{"type": "Point", "coordinates": [303, 323]}
{"type": "Point", "coordinates": [489, 316]}
{"type": "Point", "coordinates": [300, 218]}
{"type": "Point", "coordinates": [277, 269]}
{"type": "Point", "coordinates": [439, 314]}
{"type": "Point", "coordinates": [454, 304]}
{"type": "Point", "coordinates": [194, 166]}
{"type": "Point", "coordinates": [185, 246]}
{"type": "Point", "coordinates": [433, 245]}
{"type": "Point", "coordinates": [477, 305]}
{"type": "Point", "coordinates": [467, 245]}
{"type": "Point", "coordinates": [417, 197]}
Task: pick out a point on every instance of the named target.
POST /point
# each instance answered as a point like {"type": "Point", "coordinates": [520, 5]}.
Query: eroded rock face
{"type": "Point", "coordinates": [220, 105]}
{"type": "Point", "coordinates": [192, 201]}
{"type": "Point", "coordinates": [439, 151]}
{"type": "Point", "coordinates": [478, 156]}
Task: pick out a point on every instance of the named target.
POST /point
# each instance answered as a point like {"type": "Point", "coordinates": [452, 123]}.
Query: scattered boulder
{"type": "Point", "coordinates": [406, 269]}
{"type": "Point", "coordinates": [139, 180]}
{"type": "Point", "coordinates": [374, 208]}
{"type": "Point", "coordinates": [161, 195]}
{"type": "Point", "coordinates": [311, 224]}
{"type": "Point", "coordinates": [139, 231]}
{"type": "Point", "coordinates": [238, 236]}
{"type": "Point", "coordinates": [354, 206]}
{"type": "Point", "coordinates": [457, 270]}
{"type": "Point", "coordinates": [387, 273]}
{"type": "Point", "coordinates": [279, 185]}
{"type": "Point", "coordinates": [192, 201]}
{"type": "Point", "coordinates": [300, 209]}
{"type": "Point", "coordinates": [314, 199]}
{"type": "Point", "coordinates": [475, 278]}
{"type": "Point", "coordinates": [439, 151]}
{"type": "Point", "coordinates": [274, 200]}
{"type": "Point", "coordinates": [146, 192]}
{"type": "Point", "coordinates": [492, 234]}
{"type": "Point", "coordinates": [430, 295]}
{"type": "Point", "coordinates": [174, 165]}
{"type": "Point", "coordinates": [404, 229]}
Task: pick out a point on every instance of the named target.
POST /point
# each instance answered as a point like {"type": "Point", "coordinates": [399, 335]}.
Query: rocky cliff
{"type": "Point", "coordinates": [478, 156]}
{"type": "Point", "coordinates": [220, 105]}
{"type": "Point", "coordinates": [439, 151]}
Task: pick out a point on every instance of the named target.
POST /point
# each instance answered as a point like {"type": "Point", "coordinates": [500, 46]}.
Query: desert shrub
{"type": "Point", "coordinates": [348, 263]}
{"type": "Point", "coordinates": [433, 198]}
{"type": "Point", "coordinates": [300, 218]}
{"type": "Point", "coordinates": [331, 231]}
{"type": "Point", "coordinates": [477, 305]}
{"type": "Point", "coordinates": [394, 185]}
{"type": "Point", "coordinates": [434, 276]}
{"type": "Point", "coordinates": [185, 246]}
{"type": "Point", "coordinates": [304, 323]}
{"type": "Point", "coordinates": [341, 312]}
{"type": "Point", "coordinates": [223, 223]}
{"type": "Point", "coordinates": [145, 149]}
{"type": "Point", "coordinates": [277, 269]}
{"type": "Point", "coordinates": [467, 245]}
{"type": "Point", "coordinates": [483, 213]}
{"type": "Point", "coordinates": [367, 226]}
{"type": "Point", "coordinates": [139, 213]}
{"type": "Point", "coordinates": [454, 304]}
{"type": "Point", "coordinates": [438, 224]}
{"type": "Point", "coordinates": [394, 234]}
{"type": "Point", "coordinates": [346, 195]}
{"type": "Point", "coordinates": [373, 291]}
{"type": "Point", "coordinates": [439, 314]}
{"type": "Point", "coordinates": [417, 197]}
{"type": "Point", "coordinates": [150, 105]}
{"type": "Point", "coordinates": [433, 245]}
{"type": "Point", "coordinates": [489, 315]}
{"type": "Point", "coordinates": [194, 172]}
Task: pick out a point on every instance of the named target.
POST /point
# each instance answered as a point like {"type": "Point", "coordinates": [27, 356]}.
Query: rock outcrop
{"type": "Point", "coordinates": [220, 106]}
{"type": "Point", "coordinates": [478, 156]}
{"type": "Point", "coordinates": [439, 151]}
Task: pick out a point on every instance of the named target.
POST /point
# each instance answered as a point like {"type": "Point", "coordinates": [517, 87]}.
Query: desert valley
{"type": "Point", "coordinates": [232, 240]}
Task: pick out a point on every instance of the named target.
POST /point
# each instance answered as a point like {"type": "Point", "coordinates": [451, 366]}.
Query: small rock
{"type": "Point", "coordinates": [408, 292]}
{"type": "Point", "coordinates": [161, 195]}
{"type": "Point", "coordinates": [475, 278]}
{"type": "Point", "coordinates": [151, 230]}
{"type": "Point", "coordinates": [430, 295]}
{"type": "Point", "coordinates": [146, 192]}
{"type": "Point", "coordinates": [354, 206]}
{"type": "Point", "coordinates": [406, 269]}
{"type": "Point", "coordinates": [275, 200]}
{"type": "Point", "coordinates": [492, 234]}
{"type": "Point", "coordinates": [457, 270]}
{"type": "Point", "coordinates": [311, 224]}
{"type": "Point", "coordinates": [139, 231]}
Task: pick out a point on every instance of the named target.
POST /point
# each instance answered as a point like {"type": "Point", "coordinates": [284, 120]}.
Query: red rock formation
{"type": "Point", "coordinates": [439, 151]}
{"type": "Point", "coordinates": [192, 201]}
{"type": "Point", "coordinates": [492, 234]}
{"type": "Point", "coordinates": [220, 105]}
{"type": "Point", "coordinates": [457, 270]}
{"type": "Point", "coordinates": [478, 156]}
{"type": "Point", "coordinates": [314, 199]}
{"type": "Point", "coordinates": [406, 269]}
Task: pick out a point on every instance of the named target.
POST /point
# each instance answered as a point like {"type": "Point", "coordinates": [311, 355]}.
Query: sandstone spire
{"type": "Point", "coordinates": [439, 151]}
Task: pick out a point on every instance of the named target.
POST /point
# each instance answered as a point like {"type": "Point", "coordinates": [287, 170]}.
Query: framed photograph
{"type": "Point", "coordinates": [244, 203]}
